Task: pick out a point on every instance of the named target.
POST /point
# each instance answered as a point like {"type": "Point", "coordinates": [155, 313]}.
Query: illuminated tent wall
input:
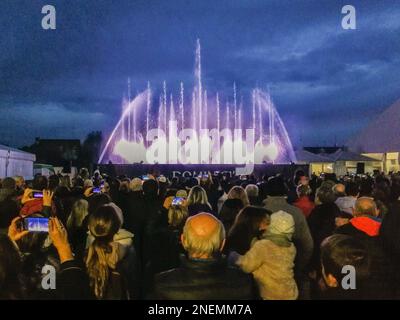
{"type": "Point", "coordinates": [381, 139]}
{"type": "Point", "coordinates": [14, 162]}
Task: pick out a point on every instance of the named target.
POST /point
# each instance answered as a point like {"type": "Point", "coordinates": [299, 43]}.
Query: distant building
{"type": "Point", "coordinates": [63, 153]}
{"type": "Point", "coordinates": [338, 160]}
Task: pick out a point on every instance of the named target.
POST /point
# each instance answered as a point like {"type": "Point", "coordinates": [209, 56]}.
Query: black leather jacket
{"type": "Point", "coordinates": [199, 279]}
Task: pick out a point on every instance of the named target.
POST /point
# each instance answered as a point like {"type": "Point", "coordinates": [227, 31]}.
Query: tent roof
{"type": "Point", "coordinates": [345, 155]}
{"type": "Point", "coordinates": [381, 135]}
{"type": "Point", "coordinates": [308, 157]}
{"type": "Point", "coordinates": [3, 147]}
{"type": "Point", "coordinates": [14, 153]}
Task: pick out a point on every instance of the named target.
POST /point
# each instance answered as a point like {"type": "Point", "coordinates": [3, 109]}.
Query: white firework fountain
{"type": "Point", "coordinates": [198, 129]}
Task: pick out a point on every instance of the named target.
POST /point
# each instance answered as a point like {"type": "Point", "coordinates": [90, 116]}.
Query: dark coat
{"type": "Point", "coordinates": [229, 211]}
{"type": "Point", "coordinates": [213, 194]}
{"type": "Point", "coordinates": [321, 222]}
{"type": "Point", "coordinates": [163, 249]}
{"type": "Point", "coordinates": [134, 212]}
{"type": "Point", "coordinates": [196, 208]}
{"type": "Point", "coordinates": [255, 201]}
{"type": "Point", "coordinates": [73, 282]}
{"type": "Point", "coordinates": [390, 232]}
{"type": "Point", "coordinates": [204, 280]}
{"type": "Point", "coordinates": [9, 209]}
{"type": "Point", "coordinates": [380, 284]}
{"type": "Point", "coordinates": [391, 239]}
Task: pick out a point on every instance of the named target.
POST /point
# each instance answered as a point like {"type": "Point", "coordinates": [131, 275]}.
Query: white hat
{"type": "Point", "coordinates": [282, 223]}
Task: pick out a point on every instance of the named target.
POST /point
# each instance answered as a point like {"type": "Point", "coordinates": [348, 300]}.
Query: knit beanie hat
{"type": "Point", "coordinates": [282, 223]}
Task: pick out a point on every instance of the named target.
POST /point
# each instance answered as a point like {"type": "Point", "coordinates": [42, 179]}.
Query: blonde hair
{"type": "Point", "coordinates": [79, 212]}
{"type": "Point", "coordinates": [102, 254]}
{"type": "Point", "coordinates": [19, 179]}
{"type": "Point", "coordinates": [177, 215]}
{"type": "Point", "coordinates": [196, 245]}
{"type": "Point", "coordinates": [238, 192]}
{"type": "Point", "coordinates": [136, 184]}
{"type": "Point", "coordinates": [197, 195]}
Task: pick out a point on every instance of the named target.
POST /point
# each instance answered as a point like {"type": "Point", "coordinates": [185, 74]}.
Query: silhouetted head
{"type": "Point", "coordinates": [339, 189]}
{"type": "Point", "coordinates": [352, 189]}
{"type": "Point", "coordinates": [341, 250]}
{"type": "Point", "coordinates": [150, 188]}
{"type": "Point", "coordinates": [39, 183]}
{"type": "Point", "coordinates": [10, 266]}
{"type": "Point", "coordinates": [8, 183]}
{"type": "Point", "coordinates": [276, 187]}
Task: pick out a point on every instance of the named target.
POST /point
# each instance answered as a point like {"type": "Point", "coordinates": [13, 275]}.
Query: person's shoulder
{"type": "Point", "coordinates": [229, 269]}
{"type": "Point", "coordinates": [294, 211]}
{"type": "Point", "coordinates": [234, 274]}
{"type": "Point", "coordinates": [168, 274]}
{"type": "Point", "coordinates": [169, 278]}
{"type": "Point", "coordinates": [347, 229]}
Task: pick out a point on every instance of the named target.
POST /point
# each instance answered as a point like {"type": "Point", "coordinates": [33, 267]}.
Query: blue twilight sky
{"type": "Point", "coordinates": [326, 82]}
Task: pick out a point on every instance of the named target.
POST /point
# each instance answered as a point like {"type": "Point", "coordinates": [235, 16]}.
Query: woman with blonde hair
{"type": "Point", "coordinates": [238, 192]}
{"type": "Point", "coordinates": [198, 201]}
{"type": "Point", "coordinates": [79, 212]}
{"type": "Point", "coordinates": [177, 215]}
{"type": "Point", "coordinates": [104, 256]}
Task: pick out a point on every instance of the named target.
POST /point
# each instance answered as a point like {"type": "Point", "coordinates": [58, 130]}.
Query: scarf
{"type": "Point", "coordinates": [280, 240]}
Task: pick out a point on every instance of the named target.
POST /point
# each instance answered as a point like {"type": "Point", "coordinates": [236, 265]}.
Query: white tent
{"type": "Point", "coordinates": [306, 157]}
{"type": "Point", "coordinates": [381, 135]}
{"type": "Point", "coordinates": [14, 162]}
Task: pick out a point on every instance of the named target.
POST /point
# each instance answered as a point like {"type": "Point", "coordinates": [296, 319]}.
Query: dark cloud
{"type": "Point", "coordinates": [323, 79]}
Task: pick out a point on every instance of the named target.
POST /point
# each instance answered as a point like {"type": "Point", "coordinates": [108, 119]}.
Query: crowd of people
{"type": "Point", "coordinates": [212, 236]}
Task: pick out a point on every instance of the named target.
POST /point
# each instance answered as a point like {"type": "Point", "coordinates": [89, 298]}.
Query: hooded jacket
{"type": "Point", "coordinates": [367, 230]}
{"type": "Point", "coordinates": [271, 260]}
{"type": "Point", "coordinates": [272, 267]}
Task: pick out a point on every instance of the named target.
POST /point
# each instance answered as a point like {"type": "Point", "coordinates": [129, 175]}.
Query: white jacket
{"type": "Point", "coordinates": [272, 267]}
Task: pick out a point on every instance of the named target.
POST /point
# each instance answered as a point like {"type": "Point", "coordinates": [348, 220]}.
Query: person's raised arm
{"type": "Point", "coordinates": [251, 261]}
{"type": "Point", "coordinates": [58, 235]}
{"type": "Point", "coordinates": [72, 280]}
{"type": "Point", "coordinates": [15, 232]}
{"type": "Point", "coordinates": [27, 196]}
{"type": "Point", "coordinates": [47, 202]}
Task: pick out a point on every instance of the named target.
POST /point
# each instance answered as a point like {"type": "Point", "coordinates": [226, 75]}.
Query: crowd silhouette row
{"type": "Point", "coordinates": [210, 237]}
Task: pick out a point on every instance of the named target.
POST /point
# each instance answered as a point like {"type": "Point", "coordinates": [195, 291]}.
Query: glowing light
{"type": "Point", "coordinates": [272, 151]}
{"type": "Point", "coordinates": [194, 134]}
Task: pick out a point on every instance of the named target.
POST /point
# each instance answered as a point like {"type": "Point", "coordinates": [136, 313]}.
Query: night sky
{"type": "Point", "coordinates": [326, 82]}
